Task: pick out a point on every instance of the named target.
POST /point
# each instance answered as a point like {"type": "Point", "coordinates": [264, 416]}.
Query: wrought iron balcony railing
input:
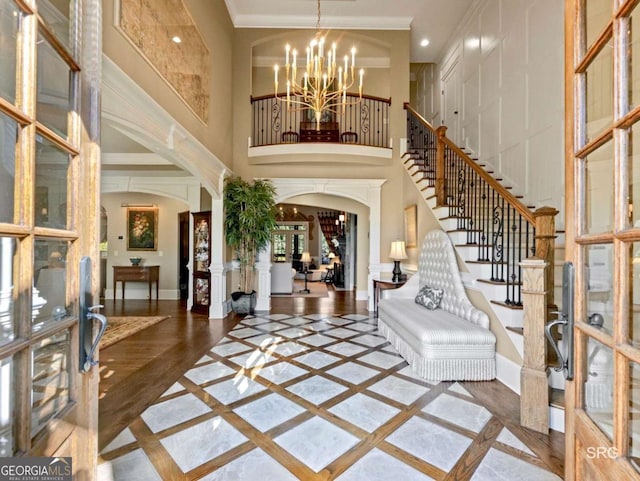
{"type": "Point", "coordinates": [365, 123]}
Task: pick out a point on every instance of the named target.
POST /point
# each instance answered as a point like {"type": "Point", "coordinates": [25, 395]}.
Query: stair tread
{"type": "Point", "coordinates": [517, 330]}
{"type": "Point", "coordinates": [463, 230]}
{"type": "Point", "coordinates": [473, 245]}
{"type": "Point", "coordinates": [455, 217]}
{"type": "Point", "coordinates": [487, 262]}
{"type": "Point", "coordinates": [497, 283]}
{"type": "Point", "coordinates": [508, 306]}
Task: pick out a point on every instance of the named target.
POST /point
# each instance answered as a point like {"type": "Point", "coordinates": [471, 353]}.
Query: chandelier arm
{"type": "Point", "coordinates": [319, 90]}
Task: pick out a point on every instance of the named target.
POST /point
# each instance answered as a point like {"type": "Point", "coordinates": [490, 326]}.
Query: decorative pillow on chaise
{"type": "Point", "coordinates": [429, 297]}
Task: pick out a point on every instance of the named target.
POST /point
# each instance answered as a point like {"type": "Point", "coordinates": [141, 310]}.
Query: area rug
{"type": "Point", "coordinates": [317, 289]}
{"type": "Point", "coordinates": [120, 327]}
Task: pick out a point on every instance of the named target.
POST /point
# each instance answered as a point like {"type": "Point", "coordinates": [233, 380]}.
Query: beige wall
{"type": "Point", "coordinates": [212, 19]}
{"type": "Point", "coordinates": [167, 254]}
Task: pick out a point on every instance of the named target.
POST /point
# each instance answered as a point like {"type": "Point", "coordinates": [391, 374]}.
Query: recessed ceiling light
{"type": "Point", "coordinates": [176, 39]}
{"type": "Point", "coordinates": [424, 42]}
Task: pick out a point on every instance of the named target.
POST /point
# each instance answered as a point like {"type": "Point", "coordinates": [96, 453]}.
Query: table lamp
{"type": "Point", "coordinates": [397, 254]}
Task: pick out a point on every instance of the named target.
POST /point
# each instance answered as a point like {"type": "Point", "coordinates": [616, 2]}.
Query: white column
{"type": "Point", "coordinates": [374, 240]}
{"type": "Point", "coordinates": [218, 285]}
{"type": "Point", "coordinates": [263, 271]}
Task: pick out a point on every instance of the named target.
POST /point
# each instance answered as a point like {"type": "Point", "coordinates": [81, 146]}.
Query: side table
{"type": "Point", "coordinates": [381, 285]}
{"type": "Point", "coordinates": [306, 272]}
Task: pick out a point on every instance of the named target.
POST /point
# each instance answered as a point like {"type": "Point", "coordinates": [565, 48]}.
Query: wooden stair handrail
{"type": "Point", "coordinates": [499, 188]}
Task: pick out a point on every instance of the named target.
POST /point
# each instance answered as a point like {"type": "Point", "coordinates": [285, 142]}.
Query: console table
{"type": "Point", "coordinates": [148, 274]}
{"type": "Point", "coordinates": [381, 285]}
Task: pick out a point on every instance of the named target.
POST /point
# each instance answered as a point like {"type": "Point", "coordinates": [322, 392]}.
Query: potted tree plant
{"type": "Point", "coordinates": [249, 220]}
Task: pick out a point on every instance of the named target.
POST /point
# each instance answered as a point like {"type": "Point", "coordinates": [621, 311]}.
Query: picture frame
{"type": "Point", "coordinates": [142, 228]}
{"type": "Point", "coordinates": [411, 226]}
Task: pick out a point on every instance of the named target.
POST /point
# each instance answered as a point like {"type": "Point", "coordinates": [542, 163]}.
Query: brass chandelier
{"type": "Point", "coordinates": [325, 81]}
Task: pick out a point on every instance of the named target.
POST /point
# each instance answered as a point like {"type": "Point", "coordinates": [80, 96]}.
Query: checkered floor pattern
{"type": "Point", "coordinates": [314, 397]}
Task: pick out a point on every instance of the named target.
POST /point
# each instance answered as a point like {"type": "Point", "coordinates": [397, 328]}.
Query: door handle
{"type": "Point", "coordinates": [565, 320]}
{"type": "Point", "coordinates": [94, 316]}
{"type": "Point", "coordinates": [560, 321]}
{"type": "Point", "coordinates": [88, 345]}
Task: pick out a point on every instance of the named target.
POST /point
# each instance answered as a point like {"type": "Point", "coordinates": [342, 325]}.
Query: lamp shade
{"type": "Point", "coordinates": [306, 258]}
{"type": "Point", "coordinates": [397, 251]}
{"type": "Point", "coordinates": [331, 255]}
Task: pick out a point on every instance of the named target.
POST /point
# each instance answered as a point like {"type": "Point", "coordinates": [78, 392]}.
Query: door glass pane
{"type": "Point", "coordinates": [599, 189]}
{"type": "Point", "coordinates": [634, 273]}
{"type": "Point", "coordinates": [10, 16]}
{"type": "Point", "coordinates": [598, 386]}
{"type": "Point", "coordinates": [634, 414]}
{"type": "Point", "coordinates": [279, 247]}
{"type": "Point", "coordinates": [599, 88]}
{"type": "Point", "coordinates": [50, 387]}
{"type": "Point", "coordinates": [634, 173]}
{"type": "Point", "coordinates": [634, 65]}
{"type": "Point", "coordinates": [56, 16]}
{"type": "Point", "coordinates": [54, 91]}
{"type": "Point", "coordinates": [50, 281]}
{"type": "Point", "coordinates": [52, 166]}
{"type": "Point", "coordinates": [6, 408]}
{"type": "Point", "coordinates": [599, 260]}
{"type": "Point", "coordinates": [298, 245]}
{"type": "Point", "coordinates": [7, 321]}
{"type": "Point", "coordinates": [8, 140]}
{"type": "Point", "coordinates": [597, 14]}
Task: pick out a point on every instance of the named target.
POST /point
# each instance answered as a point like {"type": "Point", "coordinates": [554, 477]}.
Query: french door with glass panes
{"type": "Point", "coordinates": [603, 237]}
{"type": "Point", "coordinates": [49, 220]}
{"type": "Point", "coordinates": [289, 241]}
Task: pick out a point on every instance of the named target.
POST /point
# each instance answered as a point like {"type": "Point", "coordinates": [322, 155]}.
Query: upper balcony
{"type": "Point", "coordinates": [361, 133]}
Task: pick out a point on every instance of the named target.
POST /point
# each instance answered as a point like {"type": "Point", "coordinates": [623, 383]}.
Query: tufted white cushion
{"type": "Point", "coordinates": [438, 267]}
{"type": "Point", "coordinates": [450, 343]}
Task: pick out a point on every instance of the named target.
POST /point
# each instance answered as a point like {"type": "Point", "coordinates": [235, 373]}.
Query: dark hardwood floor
{"type": "Point", "coordinates": [137, 370]}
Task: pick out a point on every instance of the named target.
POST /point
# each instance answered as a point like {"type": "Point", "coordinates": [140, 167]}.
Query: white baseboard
{"type": "Point", "coordinates": [134, 293]}
{"type": "Point", "coordinates": [508, 373]}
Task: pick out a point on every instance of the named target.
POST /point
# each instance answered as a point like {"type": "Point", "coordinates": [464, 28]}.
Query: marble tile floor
{"type": "Point", "coordinates": [315, 398]}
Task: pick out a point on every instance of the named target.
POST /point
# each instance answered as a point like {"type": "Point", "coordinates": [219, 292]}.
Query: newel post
{"type": "Point", "coordinates": [545, 245]}
{"type": "Point", "coordinates": [534, 385]}
{"type": "Point", "coordinates": [440, 180]}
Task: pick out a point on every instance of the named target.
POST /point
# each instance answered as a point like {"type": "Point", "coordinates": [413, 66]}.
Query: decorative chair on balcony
{"type": "Point", "coordinates": [349, 138]}
{"type": "Point", "coordinates": [290, 137]}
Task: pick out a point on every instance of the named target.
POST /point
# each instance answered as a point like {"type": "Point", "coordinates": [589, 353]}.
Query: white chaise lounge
{"type": "Point", "coordinates": [452, 342]}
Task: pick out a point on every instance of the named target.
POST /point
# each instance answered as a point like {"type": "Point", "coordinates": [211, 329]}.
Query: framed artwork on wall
{"type": "Point", "coordinates": [411, 226]}
{"type": "Point", "coordinates": [142, 228]}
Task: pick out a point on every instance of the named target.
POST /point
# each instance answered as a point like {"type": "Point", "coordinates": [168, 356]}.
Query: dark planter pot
{"type": "Point", "coordinates": [243, 302]}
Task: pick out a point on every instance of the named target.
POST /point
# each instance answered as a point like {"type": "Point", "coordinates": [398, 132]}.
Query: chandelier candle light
{"type": "Point", "coordinates": [324, 82]}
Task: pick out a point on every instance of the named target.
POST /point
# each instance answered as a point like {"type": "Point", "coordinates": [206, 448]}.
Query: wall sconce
{"type": "Point", "coordinates": [397, 253]}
